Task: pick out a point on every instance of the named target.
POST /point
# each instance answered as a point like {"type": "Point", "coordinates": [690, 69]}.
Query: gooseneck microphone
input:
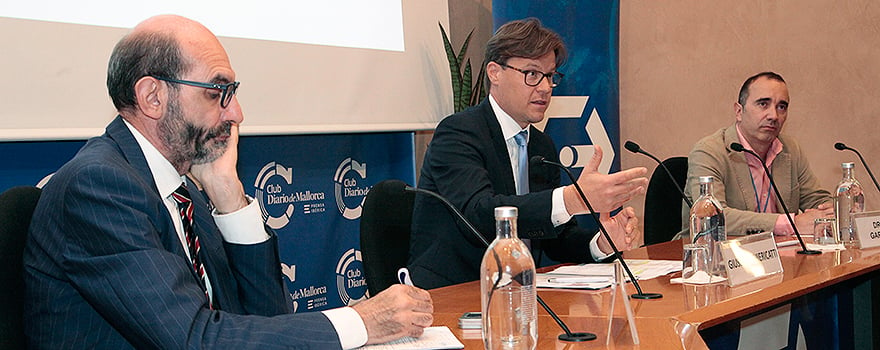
{"type": "Point", "coordinates": [840, 147]}
{"type": "Point", "coordinates": [739, 148]}
{"type": "Point", "coordinates": [640, 295]}
{"type": "Point", "coordinates": [568, 335]}
{"type": "Point", "coordinates": [634, 148]}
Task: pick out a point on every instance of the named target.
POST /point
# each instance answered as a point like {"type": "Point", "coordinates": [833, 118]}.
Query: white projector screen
{"type": "Point", "coordinates": [338, 66]}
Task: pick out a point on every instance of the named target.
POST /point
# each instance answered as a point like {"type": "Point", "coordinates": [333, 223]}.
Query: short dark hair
{"type": "Point", "coordinates": [138, 55]}
{"type": "Point", "coordinates": [744, 90]}
{"type": "Point", "coordinates": [526, 38]}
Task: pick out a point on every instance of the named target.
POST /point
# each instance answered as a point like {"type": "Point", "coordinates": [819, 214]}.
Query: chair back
{"type": "Point", "coordinates": [385, 232]}
{"type": "Point", "coordinates": [663, 201]}
{"type": "Point", "coordinates": [16, 209]}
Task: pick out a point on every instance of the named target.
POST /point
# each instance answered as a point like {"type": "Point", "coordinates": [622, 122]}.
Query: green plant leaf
{"type": "Point", "coordinates": [454, 67]}
{"type": "Point", "coordinates": [478, 93]}
{"type": "Point", "coordinates": [466, 81]}
{"type": "Point", "coordinates": [464, 46]}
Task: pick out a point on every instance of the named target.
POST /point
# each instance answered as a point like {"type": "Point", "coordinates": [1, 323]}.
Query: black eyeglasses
{"type": "Point", "coordinates": [534, 77]}
{"type": "Point", "coordinates": [228, 90]}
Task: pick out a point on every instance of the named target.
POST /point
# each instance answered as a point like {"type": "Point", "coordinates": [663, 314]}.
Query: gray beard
{"type": "Point", "coordinates": [188, 143]}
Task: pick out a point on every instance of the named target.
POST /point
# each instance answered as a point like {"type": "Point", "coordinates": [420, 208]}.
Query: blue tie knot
{"type": "Point", "coordinates": [520, 138]}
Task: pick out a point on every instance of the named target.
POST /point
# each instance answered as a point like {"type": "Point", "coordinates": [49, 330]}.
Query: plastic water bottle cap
{"type": "Point", "coordinates": [506, 212]}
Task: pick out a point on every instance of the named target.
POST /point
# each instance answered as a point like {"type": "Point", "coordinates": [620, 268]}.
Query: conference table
{"type": "Point", "coordinates": [677, 320]}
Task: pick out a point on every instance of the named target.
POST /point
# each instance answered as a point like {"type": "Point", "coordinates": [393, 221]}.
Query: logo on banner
{"type": "Point", "coordinates": [274, 192]}
{"type": "Point", "coordinates": [578, 156]}
{"type": "Point", "coordinates": [315, 297]}
{"type": "Point", "coordinates": [290, 272]}
{"type": "Point", "coordinates": [350, 280]}
{"type": "Point", "coordinates": [350, 190]}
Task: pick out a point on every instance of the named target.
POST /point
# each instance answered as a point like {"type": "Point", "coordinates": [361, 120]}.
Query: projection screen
{"type": "Point", "coordinates": [329, 66]}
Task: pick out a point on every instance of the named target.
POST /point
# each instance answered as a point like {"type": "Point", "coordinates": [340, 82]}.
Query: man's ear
{"type": "Point", "coordinates": [738, 109]}
{"type": "Point", "coordinates": [493, 70]}
{"type": "Point", "coordinates": [150, 95]}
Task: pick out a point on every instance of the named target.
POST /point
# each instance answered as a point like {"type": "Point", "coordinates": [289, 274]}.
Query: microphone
{"type": "Point", "coordinates": [568, 335]}
{"type": "Point", "coordinates": [634, 148]}
{"type": "Point", "coordinates": [739, 148]}
{"type": "Point", "coordinates": [617, 253]}
{"type": "Point", "coordinates": [840, 147]}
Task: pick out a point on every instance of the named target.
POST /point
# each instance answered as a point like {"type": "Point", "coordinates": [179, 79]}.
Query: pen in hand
{"type": "Point", "coordinates": [403, 276]}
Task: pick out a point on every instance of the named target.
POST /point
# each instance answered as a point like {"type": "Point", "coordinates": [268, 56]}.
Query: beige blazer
{"type": "Point", "coordinates": [733, 187]}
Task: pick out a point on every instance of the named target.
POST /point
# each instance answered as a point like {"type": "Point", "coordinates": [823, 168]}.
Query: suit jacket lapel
{"type": "Point", "coordinates": [740, 170]}
{"type": "Point", "coordinates": [499, 146]}
{"type": "Point", "coordinates": [783, 177]}
{"type": "Point", "coordinates": [131, 150]}
{"type": "Point", "coordinates": [213, 256]}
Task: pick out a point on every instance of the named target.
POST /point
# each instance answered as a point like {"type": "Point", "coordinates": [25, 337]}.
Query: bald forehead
{"type": "Point", "coordinates": [197, 43]}
{"type": "Point", "coordinates": [186, 31]}
{"type": "Point", "coordinates": [170, 24]}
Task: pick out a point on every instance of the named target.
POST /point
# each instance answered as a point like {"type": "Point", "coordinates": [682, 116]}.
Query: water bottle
{"type": "Point", "coordinates": [507, 287]}
{"type": "Point", "coordinates": [848, 200]}
{"type": "Point", "coordinates": [707, 225]}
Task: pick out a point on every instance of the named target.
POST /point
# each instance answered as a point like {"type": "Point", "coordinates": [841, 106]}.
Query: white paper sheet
{"type": "Point", "coordinates": [438, 337]}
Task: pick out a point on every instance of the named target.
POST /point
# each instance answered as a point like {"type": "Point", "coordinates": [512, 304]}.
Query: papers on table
{"type": "Point", "coordinates": [439, 337]}
{"type": "Point", "coordinates": [826, 247]}
{"type": "Point", "coordinates": [701, 277]}
{"type": "Point", "coordinates": [598, 276]}
{"type": "Point", "coordinates": [554, 280]}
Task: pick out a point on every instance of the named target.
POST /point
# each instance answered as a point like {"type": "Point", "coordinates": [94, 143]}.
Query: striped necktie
{"type": "Point", "coordinates": [185, 207]}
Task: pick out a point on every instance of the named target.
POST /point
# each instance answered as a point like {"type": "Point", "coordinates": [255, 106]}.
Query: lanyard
{"type": "Point", "coordinates": [758, 200]}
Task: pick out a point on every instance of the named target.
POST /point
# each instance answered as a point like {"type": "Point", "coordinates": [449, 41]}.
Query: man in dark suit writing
{"type": "Point", "coordinates": [125, 250]}
{"type": "Point", "coordinates": [477, 160]}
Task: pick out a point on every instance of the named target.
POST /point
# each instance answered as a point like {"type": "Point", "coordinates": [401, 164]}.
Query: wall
{"type": "Point", "coordinates": [682, 64]}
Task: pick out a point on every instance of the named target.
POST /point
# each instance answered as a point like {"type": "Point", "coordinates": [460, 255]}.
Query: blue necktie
{"type": "Point", "coordinates": [522, 175]}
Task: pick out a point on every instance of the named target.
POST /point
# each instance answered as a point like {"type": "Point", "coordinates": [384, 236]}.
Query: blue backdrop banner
{"type": "Point", "coordinates": [584, 110]}
{"type": "Point", "coordinates": [310, 190]}
{"type": "Point", "coordinates": [27, 163]}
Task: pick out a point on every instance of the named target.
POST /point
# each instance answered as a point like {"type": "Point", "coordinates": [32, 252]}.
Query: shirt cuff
{"type": "Point", "coordinates": [559, 214]}
{"type": "Point", "coordinates": [783, 226]}
{"type": "Point", "coordinates": [348, 320]}
{"type": "Point", "coordinates": [597, 254]}
{"type": "Point", "coordinates": [243, 226]}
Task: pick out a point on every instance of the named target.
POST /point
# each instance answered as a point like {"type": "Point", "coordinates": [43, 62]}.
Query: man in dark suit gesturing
{"type": "Point", "coordinates": [474, 161]}
{"type": "Point", "coordinates": [125, 251]}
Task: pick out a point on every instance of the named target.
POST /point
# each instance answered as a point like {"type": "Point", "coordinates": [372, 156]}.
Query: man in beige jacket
{"type": "Point", "coordinates": [741, 184]}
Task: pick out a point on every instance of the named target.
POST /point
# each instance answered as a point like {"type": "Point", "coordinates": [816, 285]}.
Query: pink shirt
{"type": "Point", "coordinates": [765, 198]}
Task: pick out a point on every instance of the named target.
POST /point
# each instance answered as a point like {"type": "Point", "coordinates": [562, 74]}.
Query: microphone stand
{"type": "Point", "coordinates": [634, 148]}
{"type": "Point", "coordinates": [840, 146]}
{"type": "Point", "coordinates": [568, 335]}
{"type": "Point", "coordinates": [739, 148]}
{"type": "Point", "coordinates": [617, 253]}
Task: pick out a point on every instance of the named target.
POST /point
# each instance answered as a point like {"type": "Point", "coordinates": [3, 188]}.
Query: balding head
{"type": "Point", "coordinates": [159, 46]}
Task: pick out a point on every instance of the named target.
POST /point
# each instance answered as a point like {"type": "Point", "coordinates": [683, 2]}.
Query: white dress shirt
{"type": "Point", "coordinates": [558, 214]}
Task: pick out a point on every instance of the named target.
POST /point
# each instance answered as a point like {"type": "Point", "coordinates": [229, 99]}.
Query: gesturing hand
{"type": "Point", "coordinates": [605, 192]}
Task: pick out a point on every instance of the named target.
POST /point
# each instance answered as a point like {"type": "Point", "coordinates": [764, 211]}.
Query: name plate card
{"type": "Point", "coordinates": [867, 229]}
{"type": "Point", "coordinates": [750, 258]}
